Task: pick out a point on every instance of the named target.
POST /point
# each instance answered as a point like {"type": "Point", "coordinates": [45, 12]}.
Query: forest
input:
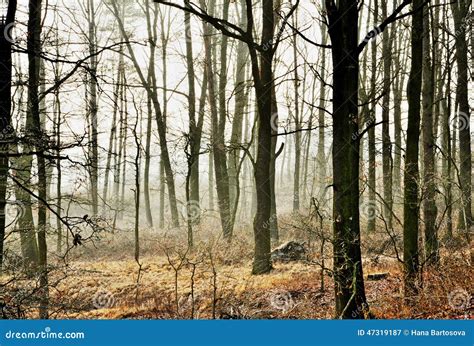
{"type": "Point", "coordinates": [236, 159]}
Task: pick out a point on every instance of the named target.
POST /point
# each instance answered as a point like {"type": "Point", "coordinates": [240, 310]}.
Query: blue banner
{"type": "Point", "coordinates": [235, 332]}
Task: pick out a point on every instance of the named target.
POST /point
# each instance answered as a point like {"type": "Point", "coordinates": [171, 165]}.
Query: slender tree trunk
{"type": "Point", "coordinates": [460, 11]}
{"type": "Point", "coordinates": [218, 144]}
{"type": "Point", "coordinates": [192, 177]}
{"type": "Point", "coordinates": [159, 115]}
{"type": "Point", "coordinates": [411, 175]}
{"type": "Point", "coordinates": [446, 143]}
{"type": "Point", "coordinates": [321, 153]}
{"type": "Point", "coordinates": [369, 122]}
{"type": "Point", "coordinates": [296, 82]}
{"type": "Point", "coordinates": [34, 49]}
{"type": "Point", "coordinates": [152, 35]}
{"type": "Point", "coordinates": [137, 164]}
{"type": "Point", "coordinates": [6, 129]}
{"type": "Point", "coordinates": [146, 173]}
{"type": "Point", "coordinates": [92, 107]}
{"type": "Point", "coordinates": [429, 202]}
{"type": "Point", "coordinates": [113, 132]}
{"type": "Point", "coordinates": [57, 116]}
{"type": "Point", "coordinates": [386, 141]}
{"type": "Point", "coordinates": [240, 101]}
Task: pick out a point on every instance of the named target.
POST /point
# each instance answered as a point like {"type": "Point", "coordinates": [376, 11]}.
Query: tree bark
{"type": "Point", "coordinates": [371, 119]}
{"type": "Point", "coordinates": [6, 130]}
{"type": "Point", "coordinates": [460, 11]}
{"type": "Point", "coordinates": [217, 142]}
{"type": "Point", "coordinates": [411, 174]}
{"type": "Point", "coordinates": [386, 141]}
{"type": "Point", "coordinates": [348, 275]}
{"type": "Point", "coordinates": [34, 49]}
{"type": "Point", "coordinates": [429, 203]}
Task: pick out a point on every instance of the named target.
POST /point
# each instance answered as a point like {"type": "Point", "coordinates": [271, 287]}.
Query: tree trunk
{"type": "Point", "coordinates": [113, 133]}
{"type": "Point", "coordinates": [6, 130]}
{"type": "Point", "coordinates": [218, 144]}
{"type": "Point", "coordinates": [240, 101]}
{"type": "Point", "coordinates": [460, 11]}
{"type": "Point", "coordinates": [92, 111]}
{"type": "Point", "coordinates": [411, 175]}
{"type": "Point", "coordinates": [159, 117]}
{"type": "Point", "coordinates": [348, 275]}
{"type": "Point", "coordinates": [321, 154]}
{"type": "Point", "coordinates": [34, 49]}
{"type": "Point", "coordinates": [263, 80]}
{"type": "Point", "coordinates": [386, 141]}
{"type": "Point", "coordinates": [192, 178]}
{"type": "Point", "coordinates": [429, 202]}
{"type": "Point", "coordinates": [296, 180]}
{"type": "Point", "coordinates": [370, 121]}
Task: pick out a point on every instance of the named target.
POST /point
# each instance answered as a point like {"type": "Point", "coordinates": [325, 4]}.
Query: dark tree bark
{"type": "Point", "coordinates": [263, 79]}
{"type": "Point", "coordinates": [194, 131]}
{"type": "Point", "coordinates": [240, 103]}
{"type": "Point", "coordinates": [386, 141]}
{"type": "Point", "coordinates": [399, 67]}
{"type": "Point", "coordinates": [296, 82]}
{"type": "Point", "coordinates": [370, 120]}
{"type": "Point", "coordinates": [34, 49]}
{"type": "Point", "coordinates": [321, 154]}
{"type": "Point", "coordinates": [429, 203]}
{"type": "Point", "coordinates": [348, 275]}
{"type": "Point", "coordinates": [92, 107]}
{"type": "Point", "coordinates": [411, 175]}
{"type": "Point", "coordinates": [6, 130]}
{"type": "Point", "coordinates": [460, 11]}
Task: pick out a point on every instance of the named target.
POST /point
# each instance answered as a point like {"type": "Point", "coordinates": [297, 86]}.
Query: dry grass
{"type": "Point", "coordinates": [100, 281]}
{"type": "Point", "coordinates": [291, 290]}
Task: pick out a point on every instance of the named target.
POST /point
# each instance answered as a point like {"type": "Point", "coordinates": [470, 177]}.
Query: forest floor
{"type": "Point", "coordinates": [109, 289]}
{"type": "Point", "coordinates": [103, 281]}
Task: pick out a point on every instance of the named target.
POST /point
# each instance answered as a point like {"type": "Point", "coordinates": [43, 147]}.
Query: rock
{"type": "Point", "coordinates": [377, 276]}
{"type": "Point", "coordinates": [289, 251]}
